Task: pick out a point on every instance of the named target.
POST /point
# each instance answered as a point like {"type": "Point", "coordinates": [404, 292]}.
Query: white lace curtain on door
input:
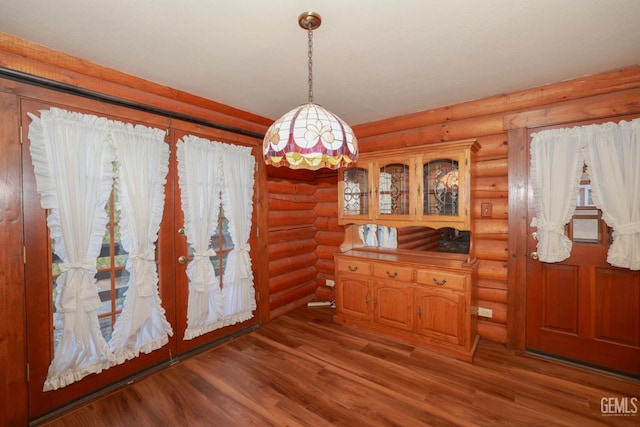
{"type": "Point", "coordinates": [143, 164]}
{"type": "Point", "coordinates": [237, 195]}
{"type": "Point", "coordinates": [200, 181]}
{"type": "Point", "coordinates": [73, 157]}
{"type": "Point", "coordinates": [208, 171]}
{"type": "Point", "coordinates": [611, 152]}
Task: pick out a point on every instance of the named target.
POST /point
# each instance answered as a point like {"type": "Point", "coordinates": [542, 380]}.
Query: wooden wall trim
{"type": "Point", "coordinates": [518, 172]}
{"type": "Point", "coordinates": [13, 388]}
{"type": "Point", "coordinates": [21, 57]}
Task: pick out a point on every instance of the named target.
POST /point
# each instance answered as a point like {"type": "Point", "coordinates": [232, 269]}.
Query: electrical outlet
{"type": "Point", "coordinates": [330, 283]}
{"type": "Point", "coordinates": [485, 312]}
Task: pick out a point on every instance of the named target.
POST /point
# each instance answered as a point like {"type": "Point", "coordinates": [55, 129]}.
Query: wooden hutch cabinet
{"type": "Point", "coordinates": [423, 298]}
{"type": "Point", "coordinates": [425, 185]}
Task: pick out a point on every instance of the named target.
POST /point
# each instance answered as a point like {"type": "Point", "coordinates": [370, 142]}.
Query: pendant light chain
{"type": "Point", "coordinates": [310, 55]}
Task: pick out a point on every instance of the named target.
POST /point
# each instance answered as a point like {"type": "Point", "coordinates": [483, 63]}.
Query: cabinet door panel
{"type": "Point", "coordinates": [441, 315]}
{"type": "Point", "coordinates": [393, 305]}
{"type": "Point", "coordinates": [353, 297]}
{"type": "Point", "coordinates": [393, 191]}
{"type": "Point", "coordinates": [354, 189]}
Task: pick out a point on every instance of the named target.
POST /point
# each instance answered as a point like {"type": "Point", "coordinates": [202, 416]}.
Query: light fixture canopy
{"type": "Point", "coordinates": [309, 136]}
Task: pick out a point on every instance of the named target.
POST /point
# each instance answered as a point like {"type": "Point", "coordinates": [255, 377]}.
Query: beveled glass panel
{"type": "Point", "coordinates": [440, 183]}
{"type": "Point", "coordinates": [355, 196]}
{"type": "Point", "coordinates": [394, 189]}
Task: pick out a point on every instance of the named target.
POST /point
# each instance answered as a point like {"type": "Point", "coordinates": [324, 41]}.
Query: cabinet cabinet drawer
{"type": "Point", "coordinates": [389, 271]}
{"type": "Point", "coordinates": [441, 279]}
{"type": "Point", "coordinates": [354, 266]}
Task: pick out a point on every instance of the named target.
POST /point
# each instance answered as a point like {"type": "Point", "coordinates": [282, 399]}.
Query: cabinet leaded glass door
{"type": "Point", "coordinates": [441, 185]}
{"type": "Point", "coordinates": [355, 193]}
{"type": "Point", "coordinates": [393, 190]}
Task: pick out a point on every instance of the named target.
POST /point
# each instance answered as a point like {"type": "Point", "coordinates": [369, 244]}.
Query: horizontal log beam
{"type": "Point", "coordinates": [301, 292]}
{"type": "Point", "coordinates": [291, 279]}
{"type": "Point", "coordinates": [291, 248]}
{"type": "Point", "coordinates": [492, 331]}
{"type": "Point", "coordinates": [293, 263]}
{"type": "Point", "coordinates": [596, 107]}
{"type": "Point", "coordinates": [290, 218]}
{"type": "Point", "coordinates": [492, 270]}
{"type": "Point", "coordinates": [617, 80]}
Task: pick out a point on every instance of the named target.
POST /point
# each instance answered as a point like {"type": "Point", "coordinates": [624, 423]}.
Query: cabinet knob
{"type": "Point", "coordinates": [420, 312]}
{"type": "Point", "coordinates": [534, 255]}
{"type": "Point", "coordinates": [183, 259]}
{"type": "Point", "coordinates": [353, 268]}
{"type": "Point", "coordinates": [534, 235]}
{"type": "Point", "coordinates": [439, 282]}
{"type": "Point", "coordinates": [392, 275]}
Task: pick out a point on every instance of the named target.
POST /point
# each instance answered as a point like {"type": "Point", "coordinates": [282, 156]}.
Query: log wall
{"type": "Point", "coordinates": [291, 244]}
{"type": "Point", "coordinates": [484, 120]}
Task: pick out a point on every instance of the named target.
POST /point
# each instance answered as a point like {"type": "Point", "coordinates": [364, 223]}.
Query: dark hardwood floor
{"type": "Point", "coordinates": [303, 370]}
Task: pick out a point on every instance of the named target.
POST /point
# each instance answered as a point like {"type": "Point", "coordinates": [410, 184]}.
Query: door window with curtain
{"type": "Point", "coordinates": [216, 183]}
{"type": "Point", "coordinates": [76, 159]}
{"type": "Point", "coordinates": [608, 156]}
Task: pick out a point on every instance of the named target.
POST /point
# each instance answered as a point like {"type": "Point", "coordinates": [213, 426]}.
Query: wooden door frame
{"type": "Point", "coordinates": [518, 126]}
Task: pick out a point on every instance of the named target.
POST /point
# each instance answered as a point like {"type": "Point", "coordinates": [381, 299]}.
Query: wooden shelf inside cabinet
{"type": "Point", "coordinates": [421, 299]}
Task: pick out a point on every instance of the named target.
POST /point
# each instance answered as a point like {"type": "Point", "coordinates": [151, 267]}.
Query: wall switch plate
{"type": "Point", "coordinates": [330, 283]}
{"type": "Point", "coordinates": [485, 312]}
{"type": "Point", "coordinates": [485, 210]}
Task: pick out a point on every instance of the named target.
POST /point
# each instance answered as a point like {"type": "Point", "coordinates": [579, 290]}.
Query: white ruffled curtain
{"type": "Point", "coordinates": [556, 167]}
{"type": "Point", "coordinates": [237, 197]}
{"type": "Point", "coordinates": [143, 164]}
{"type": "Point", "coordinates": [72, 157]}
{"type": "Point", "coordinates": [200, 179]}
{"type": "Point", "coordinates": [209, 171]}
{"type": "Point", "coordinates": [612, 154]}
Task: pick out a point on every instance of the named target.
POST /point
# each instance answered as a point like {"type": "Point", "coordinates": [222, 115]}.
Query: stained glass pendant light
{"type": "Point", "coordinates": [310, 137]}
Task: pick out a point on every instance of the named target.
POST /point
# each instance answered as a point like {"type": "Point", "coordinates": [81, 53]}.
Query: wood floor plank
{"type": "Point", "coordinates": [302, 369]}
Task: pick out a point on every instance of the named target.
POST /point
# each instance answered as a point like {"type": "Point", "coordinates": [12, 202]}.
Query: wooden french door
{"type": "Point", "coordinates": [583, 309]}
{"type": "Point", "coordinates": [171, 244]}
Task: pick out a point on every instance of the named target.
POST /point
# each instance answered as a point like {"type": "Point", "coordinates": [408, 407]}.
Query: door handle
{"type": "Point", "coordinates": [534, 255]}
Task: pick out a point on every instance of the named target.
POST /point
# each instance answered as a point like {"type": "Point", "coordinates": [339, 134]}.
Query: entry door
{"type": "Point", "coordinates": [40, 266]}
{"type": "Point", "coordinates": [583, 309]}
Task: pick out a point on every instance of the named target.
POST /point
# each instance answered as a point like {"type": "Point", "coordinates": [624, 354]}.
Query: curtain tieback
{"type": "Point", "coordinates": [203, 272]}
{"type": "Point", "coordinates": [242, 248]}
{"type": "Point", "coordinates": [245, 261]}
{"type": "Point", "coordinates": [553, 227]}
{"type": "Point", "coordinates": [144, 256]}
{"type": "Point", "coordinates": [206, 254]}
{"type": "Point", "coordinates": [627, 229]}
{"type": "Point", "coordinates": [78, 287]}
{"type": "Point", "coordinates": [87, 265]}
{"type": "Point", "coordinates": [144, 272]}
